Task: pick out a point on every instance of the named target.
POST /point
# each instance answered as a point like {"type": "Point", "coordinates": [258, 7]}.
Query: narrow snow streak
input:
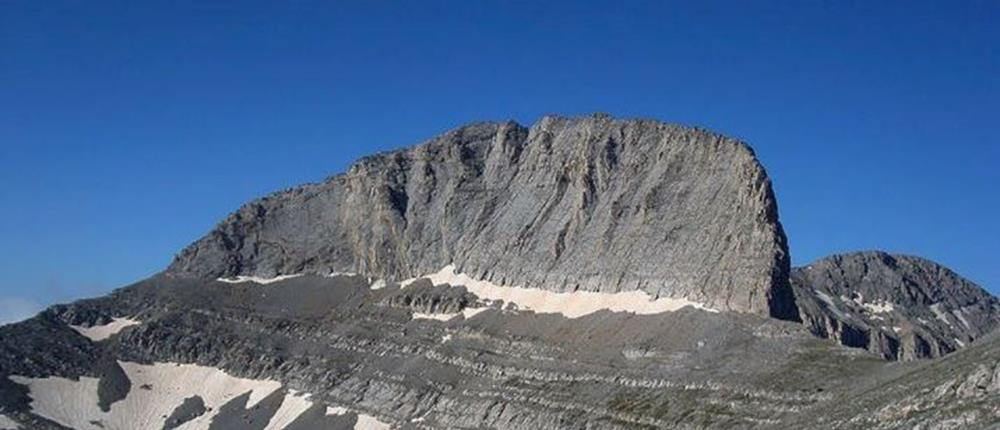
{"type": "Point", "coordinates": [941, 315]}
{"type": "Point", "coordinates": [958, 313]}
{"type": "Point", "coordinates": [257, 280]}
{"type": "Point", "coordinates": [439, 317]}
{"type": "Point", "coordinates": [156, 390]}
{"type": "Point", "coordinates": [100, 332]}
{"type": "Point", "coordinates": [340, 274]}
{"type": "Point", "coordinates": [570, 305]}
{"type": "Point", "coordinates": [467, 313]}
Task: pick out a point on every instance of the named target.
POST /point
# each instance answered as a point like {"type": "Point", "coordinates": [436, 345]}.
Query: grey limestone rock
{"type": "Point", "coordinates": [958, 391]}
{"type": "Point", "coordinates": [590, 203]}
{"type": "Point", "coordinates": [900, 307]}
{"type": "Point", "coordinates": [192, 407]}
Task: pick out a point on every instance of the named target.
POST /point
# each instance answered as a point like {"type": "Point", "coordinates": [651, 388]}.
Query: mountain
{"type": "Point", "coordinates": [570, 204]}
{"type": "Point", "coordinates": [900, 307]}
{"type": "Point", "coordinates": [580, 273]}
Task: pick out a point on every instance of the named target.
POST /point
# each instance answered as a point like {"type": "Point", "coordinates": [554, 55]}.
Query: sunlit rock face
{"type": "Point", "coordinates": [589, 204]}
{"type": "Point", "coordinates": [900, 307]}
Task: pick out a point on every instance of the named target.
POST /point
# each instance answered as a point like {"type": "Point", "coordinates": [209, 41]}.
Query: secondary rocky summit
{"type": "Point", "coordinates": [569, 204]}
{"type": "Point", "coordinates": [900, 307]}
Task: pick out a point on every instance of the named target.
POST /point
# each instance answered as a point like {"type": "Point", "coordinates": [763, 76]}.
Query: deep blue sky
{"type": "Point", "coordinates": [128, 129]}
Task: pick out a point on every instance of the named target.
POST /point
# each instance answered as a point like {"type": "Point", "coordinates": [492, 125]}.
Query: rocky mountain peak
{"type": "Point", "coordinates": [585, 203]}
{"type": "Point", "coordinates": [901, 307]}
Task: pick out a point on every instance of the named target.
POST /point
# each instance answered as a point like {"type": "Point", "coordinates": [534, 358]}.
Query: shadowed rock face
{"type": "Point", "coordinates": [900, 307]}
{"type": "Point", "coordinates": [569, 204]}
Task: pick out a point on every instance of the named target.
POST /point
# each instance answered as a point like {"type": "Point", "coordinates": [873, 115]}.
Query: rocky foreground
{"type": "Point", "coordinates": [578, 273]}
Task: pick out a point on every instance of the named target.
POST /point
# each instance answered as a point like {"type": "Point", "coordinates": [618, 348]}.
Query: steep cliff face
{"type": "Point", "coordinates": [900, 307]}
{"type": "Point", "coordinates": [589, 204]}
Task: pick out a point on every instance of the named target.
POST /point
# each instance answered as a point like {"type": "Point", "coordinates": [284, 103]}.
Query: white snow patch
{"type": "Point", "coordinates": [936, 308]}
{"type": "Point", "coordinates": [960, 343]}
{"type": "Point", "coordinates": [439, 317]}
{"type": "Point", "coordinates": [467, 313]}
{"type": "Point", "coordinates": [365, 422]}
{"type": "Point", "coordinates": [336, 274]}
{"type": "Point", "coordinates": [293, 405]}
{"type": "Point", "coordinates": [379, 284]}
{"type": "Point", "coordinates": [570, 305]}
{"type": "Point", "coordinates": [258, 280]}
{"type": "Point", "coordinates": [6, 423]}
{"type": "Point", "coordinates": [897, 329]}
{"type": "Point", "coordinates": [446, 338]}
{"type": "Point", "coordinates": [958, 313]}
{"type": "Point", "coordinates": [100, 332]}
{"type": "Point", "coordinates": [336, 410]}
{"type": "Point", "coordinates": [878, 307]}
{"type": "Point", "coordinates": [156, 390]}
{"type": "Point", "coordinates": [368, 422]}
{"type": "Point", "coordinates": [471, 312]}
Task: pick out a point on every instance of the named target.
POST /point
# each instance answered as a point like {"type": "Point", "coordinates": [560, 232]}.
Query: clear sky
{"type": "Point", "coordinates": [128, 129]}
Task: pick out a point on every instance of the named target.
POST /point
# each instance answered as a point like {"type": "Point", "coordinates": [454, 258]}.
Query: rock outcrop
{"type": "Point", "coordinates": [957, 392]}
{"type": "Point", "coordinates": [899, 307]}
{"type": "Point", "coordinates": [591, 204]}
{"type": "Point", "coordinates": [367, 351]}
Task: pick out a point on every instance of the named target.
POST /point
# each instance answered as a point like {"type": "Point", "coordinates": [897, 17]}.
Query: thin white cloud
{"type": "Point", "coordinates": [14, 309]}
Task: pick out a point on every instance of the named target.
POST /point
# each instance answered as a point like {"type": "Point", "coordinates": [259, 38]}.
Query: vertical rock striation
{"type": "Point", "coordinates": [591, 203]}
